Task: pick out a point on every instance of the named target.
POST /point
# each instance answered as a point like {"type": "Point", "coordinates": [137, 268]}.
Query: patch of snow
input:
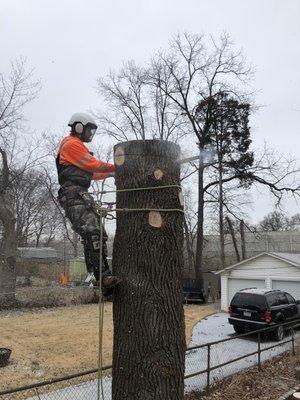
{"type": "Point", "coordinates": [83, 391]}
{"type": "Point", "coordinates": [214, 328]}
{"type": "Point", "coordinates": [210, 329]}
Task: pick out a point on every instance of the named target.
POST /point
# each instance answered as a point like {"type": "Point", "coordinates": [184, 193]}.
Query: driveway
{"type": "Point", "coordinates": [210, 329]}
{"type": "Point", "coordinates": [216, 327]}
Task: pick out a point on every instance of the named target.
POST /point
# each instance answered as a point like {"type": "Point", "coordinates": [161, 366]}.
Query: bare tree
{"type": "Point", "coordinates": [35, 214]}
{"type": "Point", "coordinates": [274, 221]}
{"type": "Point", "coordinates": [276, 172]}
{"type": "Point", "coordinates": [135, 109]}
{"type": "Point", "coordinates": [294, 222]}
{"type": "Point", "coordinates": [194, 70]}
{"type": "Point", "coordinates": [162, 101]}
{"type": "Point", "coordinates": [277, 220]}
{"type": "Point", "coordinates": [16, 90]}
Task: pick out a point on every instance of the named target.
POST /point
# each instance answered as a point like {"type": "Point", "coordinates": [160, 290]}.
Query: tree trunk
{"type": "Point", "coordinates": [38, 237]}
{"type": "Point", "coordinates": [7, 268]}
{"type": "Point", "coordinates": [221, 218]}
{"type": "Point", "coordinates": [189, 247]}
{"type": "Point", "coordinates": [149, 343]}
{"type": "Point", "coordinates": [200, 228]}
{"type": "Point", "coordinates": [243, 242]}
{"type": "Point", "coordinates": [75, 246]}
{"type": "Point", "coordinates": [237, 254]}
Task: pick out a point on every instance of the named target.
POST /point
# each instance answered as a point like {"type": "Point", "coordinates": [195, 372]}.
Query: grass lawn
{"type": "Point", "coordinates": [53, 342]}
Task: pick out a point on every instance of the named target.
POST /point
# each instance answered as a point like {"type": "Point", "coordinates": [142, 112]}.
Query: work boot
{"type": "Point", "coordinates": [110, 281]}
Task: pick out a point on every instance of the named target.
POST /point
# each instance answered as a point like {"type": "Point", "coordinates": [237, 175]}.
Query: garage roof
{"type": "Point", "coordinates": [40, 253]}
{"type": "Point", "coordinates": [291, 258]}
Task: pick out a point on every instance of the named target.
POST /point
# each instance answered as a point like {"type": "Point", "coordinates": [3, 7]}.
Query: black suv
{"type": "Point", "coordinates": [252, 309]}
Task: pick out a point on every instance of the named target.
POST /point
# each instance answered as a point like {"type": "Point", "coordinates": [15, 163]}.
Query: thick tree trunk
{"type": "Point", "coordinates": [149, 343]}
{"type": "Point", "coordinates": [7, 267]}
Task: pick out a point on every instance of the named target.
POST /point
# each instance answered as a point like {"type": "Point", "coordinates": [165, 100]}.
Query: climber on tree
{"type": "Point", "coordinates": [76, 167]}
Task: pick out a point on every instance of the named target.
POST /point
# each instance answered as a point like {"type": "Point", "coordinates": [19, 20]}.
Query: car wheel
{"type": "Point", "coordinates": [239, 329]}
{"type": "Point", "coordinates": [279, 333]}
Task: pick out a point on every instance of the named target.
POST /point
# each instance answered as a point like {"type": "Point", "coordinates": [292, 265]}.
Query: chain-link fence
{"type": "Point", "coordinates": [46, 296]}
{"type": "Point", "coordinates": [205, 364]}
{"type": "Point", "coordinates": [83, 385]}
{"type": "Point", "coordinates": [214, 361]}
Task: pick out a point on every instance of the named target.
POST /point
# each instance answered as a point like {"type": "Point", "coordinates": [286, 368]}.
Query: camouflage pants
{"type": "Point", "coordinates": [85, 221]}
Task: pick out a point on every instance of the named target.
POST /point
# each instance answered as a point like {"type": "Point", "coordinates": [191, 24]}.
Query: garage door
{"type": "Point", "coordinates": [234, 285]}
{"type": "Point", "coordinates": [291, 287]}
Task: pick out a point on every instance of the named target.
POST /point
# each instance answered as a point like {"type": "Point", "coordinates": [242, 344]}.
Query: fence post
{"type": "Point", "coordinates": [208, 370]}
{"type": "Point", "coordinates": [258, 351]}
{"type": "Point", "coordinates": [293, 342]}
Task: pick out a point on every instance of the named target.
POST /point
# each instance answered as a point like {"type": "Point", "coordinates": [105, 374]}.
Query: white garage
{"type": "Point", "coordinates": [291, 287]}
{"type": "Point", "coordinates": [236, 284]}
{"type": "Point", "coordinates": [266, 270]}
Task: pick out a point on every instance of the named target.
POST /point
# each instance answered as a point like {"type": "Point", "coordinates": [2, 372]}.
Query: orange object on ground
{"type": "Point", "coordinates": [63, 280]}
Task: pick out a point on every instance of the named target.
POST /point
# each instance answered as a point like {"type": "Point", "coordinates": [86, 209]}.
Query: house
{"type": "Point", "coordinates": [37, 253]}
{"type": "Point", "coordinates": [38, 262]}
{"type": "Point", "coordinates": [265, 270]}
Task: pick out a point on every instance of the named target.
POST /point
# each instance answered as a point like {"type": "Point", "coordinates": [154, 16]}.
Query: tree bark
{"type": "Point", "coordinates": [221, 223]}
{"type": "Point", "coordinates": [243, 242]}
{"type": "Point", "coordinates": [189, 247]}
{"type": "Point", "coordinates": [200, 228]}
{"type": "Point", "coordinates": [7, 267]}
{"type": "Point", "coordinates": [149, 342]}
{"type": "Point", "coordinates": [237, 254]}
{"type": "Point", "coordinates": [75, 241]}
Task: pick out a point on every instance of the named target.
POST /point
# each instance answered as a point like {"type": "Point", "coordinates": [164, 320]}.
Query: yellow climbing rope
{"type": "Point", "coordinates": [138, 189]}
{"type": "Point", "coordinates": [100, 391]}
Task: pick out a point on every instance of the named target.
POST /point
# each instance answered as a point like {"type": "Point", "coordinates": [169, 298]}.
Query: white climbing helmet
{"type": "Point", "coordinates": [83, 118]}
{"type": "Point", "coordinates": [84, 125]}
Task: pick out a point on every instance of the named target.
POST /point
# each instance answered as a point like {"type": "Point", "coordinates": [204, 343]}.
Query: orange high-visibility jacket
{"type": "Point", "coordinates": [72, 151]}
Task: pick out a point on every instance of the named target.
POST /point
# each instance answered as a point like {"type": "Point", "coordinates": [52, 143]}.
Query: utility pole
{"type": "Point", "coordinates": [149, 339]}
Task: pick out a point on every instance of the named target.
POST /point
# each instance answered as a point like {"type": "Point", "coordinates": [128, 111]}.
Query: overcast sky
{"type": "Point", "coordinates": [70, 43]}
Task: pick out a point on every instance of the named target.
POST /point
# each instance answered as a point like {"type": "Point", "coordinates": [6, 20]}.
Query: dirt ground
{"type": "Point", "coordinates": [52, 342]}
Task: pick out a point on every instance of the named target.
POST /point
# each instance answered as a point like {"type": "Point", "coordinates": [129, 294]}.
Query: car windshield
{"type": "Point", "coordinates": [250, 301]}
